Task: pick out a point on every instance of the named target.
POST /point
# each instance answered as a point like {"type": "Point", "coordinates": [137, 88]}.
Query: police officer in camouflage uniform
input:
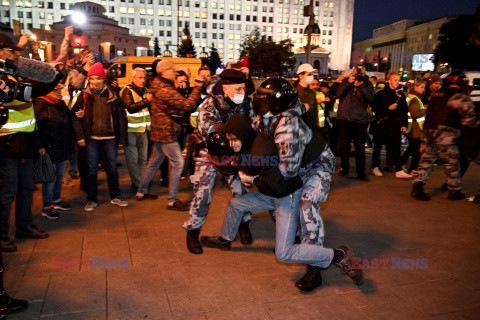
{"type": "Point", "coordinates": [227, 97]}
{"type": "Point", "coordinates": [449, 109]}
{"type": "Point", "coordinates": [295, 141]}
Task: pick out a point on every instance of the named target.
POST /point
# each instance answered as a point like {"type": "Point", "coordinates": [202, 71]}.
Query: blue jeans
{"type": "Point", "coordinates": [174, 154]}
{"type": "Point", "coordinates": [16, 182]}
{"type": "Point", "coordinates": [53, 191]}
{"type": "Point", "coordinates": [287, 217]}
{"type": "Point", "coordinates": [108, 149]}
{"type": "Point", "coordinates": [136, 154]}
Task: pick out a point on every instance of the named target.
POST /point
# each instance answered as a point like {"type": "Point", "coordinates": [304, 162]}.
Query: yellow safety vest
{"type": "Point", "coordinates": [321, 116]}
{"type": "Point", "coordinates": [335, 108]}
{"type": "Point", "coordinates": [18, 121]}
{"type": "Point", "coordinates": [139, 121]}
{"type": "Point", "coordinates": [193, 117]}
{"type": "Point", "coordinates": [71, 100]}
{"type": "Point", "coordinates": [420, 120]}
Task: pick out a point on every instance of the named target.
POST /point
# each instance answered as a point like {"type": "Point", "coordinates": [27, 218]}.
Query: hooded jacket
{"type": "Point", "coordinates": [354, 100]}
{"type": "Point", "coordinates": [259, 157]}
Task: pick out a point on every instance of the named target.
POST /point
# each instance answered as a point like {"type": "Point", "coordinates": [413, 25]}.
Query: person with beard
{"type": "Point", "coordinates": [167, 106]}
{"type": "Point", "coordinates": [391, 119]}
{"type": "Point", "coordinates": [257, 162]}
{"type": "Point", "coordinates": [416, 117]}
{"type": "Point", "coordinates": [227, 98]}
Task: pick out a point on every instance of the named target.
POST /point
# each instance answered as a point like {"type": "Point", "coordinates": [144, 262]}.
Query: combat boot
{"type": "Point", "coordinates": [244, 232]}
{"type": "Point", "coordinates": [9, 305]}
{"type": "Point", "coordinates": [193, 244]}
{"type": "Point", "coordinates": [216, 242]}
{"type": "Point", "coordinates": [310, 280]}
{"type": "Point", "coordinates": [456, 195]}
{"type": "Point", "coordinates": [418, 193]}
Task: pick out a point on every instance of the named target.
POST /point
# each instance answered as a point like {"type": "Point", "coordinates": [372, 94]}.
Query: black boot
{"type": "Point", "coordinates": [216, 242]}
{"type": "Point", "coordinates": [418, 193]}
{"type": "Point", "coordinates": [244, 232]}
{"type": "Point", "coordinates": [193, 244]}
{"type": "Point", "coordinates": [9, 305]}
{"type": "Point", "coordinates": [310, 280]}
{"type": "Point", "coordinates": [456, 195]}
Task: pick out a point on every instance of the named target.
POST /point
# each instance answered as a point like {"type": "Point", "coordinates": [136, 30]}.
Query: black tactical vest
{"type": "Point", "coordinates": [439, 113]}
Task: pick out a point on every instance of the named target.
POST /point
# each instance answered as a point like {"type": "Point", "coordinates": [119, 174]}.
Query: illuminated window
{"type": "Point", "coordinates": [150, 12]}
{"type": "Point", "coordinates": [247, 8]}
{"type": "Point", "coordinates": [221, 55]}
{"type": "Point", "coordinates": [123, 9]}
{"type": "Point", "coordinates": [325, 4]}
{"type": "Point", "coordinates": [332, 4]}
{"type": "Point", "coordinates": [230, 36]}
{"type": "Point", "coordinates": [221, 6]}
{"type": "Point", "coordinates": [186, 14]}
{"type": "Point", "coordinates": [204, 15]}
{"type": "Point", "coordinates": [239, 7]}
{"type": "Point", "coordinates": [179, 13]}
{"type": "Point", "coordinates": [231, 6]}
{"type": "Point", "coordinates": [197, 14]}
{"type": "Point", "coordinates": [143, 32]}
{"type": "Point", "coordinates": [214, 5]}
{"type": "Point", "coordinates": [285, 20]}
{"type": "Point", "coordinates": [150, 32]}
{"type": "Point", "coordinates": [237, 37]}
{"type": "Point", "coordinates": [220, 46]}
{"type": "Point", "coordinates": [279, 39]}
{"type": "Point", "coordinates": [279, 29]}
{"type": "Point", "coordinates": [131, 10]}
{"type": "Point", "coordinates": [237, 46]}
{"type": "Point", "coordinates": [286, 10]}
{"type": "Point", "coordinates": [161, 12]}
{"type": "Point", "coordinates": [237, 56]}
{"type": "Point", "coordinates": [197, 44]}
{"type": "Point", "coordinates": [142, 11]}
{"type": "Point", "coordinates": [280, 20]}
{"type": "Point", "coordinates": [269, 29]}
{"type": "Point", "coordinates": [168, 12]}
{"type": "Point", "coordinates": [230, 46]}
{"type": "Point", "coordinates": [230, 56]}
{"type": "Point", "coordinates": [204, 44]}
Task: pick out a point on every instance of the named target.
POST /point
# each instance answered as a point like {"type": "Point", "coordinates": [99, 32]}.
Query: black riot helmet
{"type": "Point", "coordinates": [279, 93]}
{"type": "Point", "coordinates": [219, 151]}
{"type": "Point", "coordinates": [458, 78]}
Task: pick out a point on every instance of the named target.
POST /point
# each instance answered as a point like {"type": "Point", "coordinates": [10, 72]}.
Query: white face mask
{"type": "Point", "coordinates": [237, 98]}
{"type": "Point", "coordinates": [309, 80]}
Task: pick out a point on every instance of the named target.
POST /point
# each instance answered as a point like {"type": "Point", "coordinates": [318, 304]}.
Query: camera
{"type": "Point", "coordinates": [17, 91]}
{"type": "Point", "coordinates": [77, 31]}
{"type": "Point", "coordinates": [359, 73]}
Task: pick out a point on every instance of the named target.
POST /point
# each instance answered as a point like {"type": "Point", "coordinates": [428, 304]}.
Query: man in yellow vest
{"type": "Point", "coordinates": [136, 98]}
{"type": "Point", "coordinates": [416, 117]}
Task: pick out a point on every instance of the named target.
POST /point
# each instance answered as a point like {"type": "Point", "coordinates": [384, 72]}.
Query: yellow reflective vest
{"type": "Point", "coordinates": [139, 121]}
{"type": "Point", "coordinates": [420, 120]}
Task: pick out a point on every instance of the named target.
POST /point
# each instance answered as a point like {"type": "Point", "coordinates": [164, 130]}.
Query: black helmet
{"type": "Point", "coordinates": [456, 77]}
{"type": "Point", "coordinates": [219, 151]}
{"type": "Point", "coordinates": [280, 94]}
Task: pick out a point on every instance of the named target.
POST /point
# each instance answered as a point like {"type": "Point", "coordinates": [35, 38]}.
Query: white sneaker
{"type": "Point", "coordinates": [376, 172]}
{"type": "Point", "coordinates": [90, 205]}
{"type": "Point", "coordinates": [402, 175]}
{"type": "Point", "coordinates": [119, 202]}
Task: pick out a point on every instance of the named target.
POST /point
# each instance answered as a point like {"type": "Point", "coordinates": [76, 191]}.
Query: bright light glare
{"type": "Point", "coordinates": [78, 17]}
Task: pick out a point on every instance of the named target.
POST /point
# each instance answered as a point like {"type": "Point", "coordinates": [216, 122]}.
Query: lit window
{"type": "Point", "coordinates": [204, 15]}
{"type": "Point", "coordinates": [123, 9]}
{"type": "Point", "coordinates": [248, 8]}
{"type": "Point", "coordinates": [269, 29]}
{"type": "Point", "coordinates": [131, 10]}
{"type": "Point", "coordinates": [143, 32]}
{"type": "Point", "coordinates": [230, 56]}
{"type": "Point", "coordinates": [239, 7]}
{"type": "Point", "coordinates": [161, 43]}
{"type": "Point", "coordinates": [220, 46]}
{"type": "Point", "coordinates": [324, 23]}
{"type": "Point", "coordinates": [231, 6]}
{"type": "Point", "coordinates": [237, 46]}
{"type": "Point", "coordinates": [142, 11]}
{"type": "Point", "coordinates": [214, 5]}
{"type": "Point", "coordinates": [221, 55]}
{"type": "Point", "coordinates": [237, 56]}
{"type": "Point", "coordinates": [330, 24]}
{"type": "Point", "coordinates": [237, 37]}
{"type": "Point", "coordinates": [325, 4]}
{"type": "Point", "coordinates": [221, 6]}
{"type": "Point", "coordinates": [204, 44]}
{"type": "Point", "coordinates": [279, 29]}
{"type": "Point", "coordinates": [230, 46]}
{"type": "Point", "coordinates": [168, 12]}
{"type": "Point", "coordinates": [295, 11]}
{"type": "Point", "coordinates": [332, 4]}
{"type": "Point", "coordinates": [179, 13]}
{"type": "Point", "coordinates": [186, 14]}
{"type": "Point", "coordinates": [285, 30]}
{"type": "Point", "coordinates": [230, 36]}
{"type": "Point", "coordinates": [161, 12]}
{"type": "Point", "coordinates": [286, 10]}
{"type": "Point", "coordinates": [204, 4]}
{"type": "Point", "coordinates": [279, 39]}
{"type": "Point", "coordinates": [325, 14]}
{"type": "Point", "coordinates": [150, 32]}
{"type": "Point", "coordinates": [280, 20]}
{"type": "Point", "coordinates": [150, 12]}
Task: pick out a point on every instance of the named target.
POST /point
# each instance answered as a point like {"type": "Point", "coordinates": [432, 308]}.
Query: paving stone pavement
{"type": "Point", "coordinates": [132, 262]}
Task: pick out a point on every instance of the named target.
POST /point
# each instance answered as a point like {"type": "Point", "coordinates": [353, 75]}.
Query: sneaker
{"type": "Point", "coordinates": [119, 202]}
{"type": "Point", "coordinates": [8, 245]}
{"type": "Point", "coordinates": [178, 206]}
{"type": "Point", "coordinates": [50, 213]}
{"type": "Point", "coordinates": [402, 175]}
{"type": "Point", "coordinates": [61, 205]}
{"type": "Point", "coordinates": [216, 242]}
{"type": "Point", "coordinates": [346, 266]}
{"type": "Point", "coordinates": [90, 205]}
{"type": "Point", "coordinates": [376, 172]}
{"type": "Point", "coordinates": [147, 196]}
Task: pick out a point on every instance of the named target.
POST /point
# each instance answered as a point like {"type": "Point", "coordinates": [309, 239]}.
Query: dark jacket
{"type": "Point", "coordinates": [118, 118]}
{"type": "Point", "coordinates": [384, 117]}
{"type": "Point", "coordinates": [354, 100]}
{"type": "Point", "coordinates": [259, 157]}
{"type": "Point", "coordinates": [167, 109]}
{"type": "Point", "coordinates": [129, 102]}
{"type": "Point", "coordinates": [308, 96]}
{"type": "Point", "coordinates": [54, 127]}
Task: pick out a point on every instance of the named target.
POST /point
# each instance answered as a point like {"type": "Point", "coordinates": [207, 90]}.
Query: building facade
{"type": "Point", "coordinates": [223, 23]}
{"type": "Point", "coordinates": [399, 42]}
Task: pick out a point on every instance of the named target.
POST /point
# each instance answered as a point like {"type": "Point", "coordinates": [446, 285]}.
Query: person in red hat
{"type": "Point", "coordinates": [101, 128]}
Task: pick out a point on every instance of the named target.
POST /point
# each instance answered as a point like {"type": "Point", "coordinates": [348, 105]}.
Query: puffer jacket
{"type": "Point", "coordinates": [167, 109]}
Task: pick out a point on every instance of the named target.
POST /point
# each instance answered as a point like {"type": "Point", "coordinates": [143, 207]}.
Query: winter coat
{"type": "Point", "coordinates": [386, 119]}
{"type": "Point", "coordinates": [354, 100]}
{"type": "Point", "coordinates": [167, 110]}
{"type": "Point", "coordinates": [54, 128]}
{"type": "Point", "coordinates": [118, 119]}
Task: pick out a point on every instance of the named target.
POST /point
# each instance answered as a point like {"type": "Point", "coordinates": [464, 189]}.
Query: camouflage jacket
{"type": "Point", "coordinates": [291, 136]}
{"type": "Point", "coordinates": [167, 109]}
{"type": "Point", "coordinates": [465, 109]}
{"type": "Point", "coordinates": [209, 115]}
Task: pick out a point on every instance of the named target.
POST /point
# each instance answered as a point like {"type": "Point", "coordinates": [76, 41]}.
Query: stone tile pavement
{"type": "Point", "coordinates": [147, 272]}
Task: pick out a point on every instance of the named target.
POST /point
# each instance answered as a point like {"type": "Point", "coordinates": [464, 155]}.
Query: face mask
{"type": "Point", "coordinates": [237, 98]}
{"type": "Point", "coordinates": [309, 80]}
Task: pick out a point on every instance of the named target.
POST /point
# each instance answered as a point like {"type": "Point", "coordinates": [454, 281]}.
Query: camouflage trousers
{"type": "Point", "coordinates": [203, 183]}
{"type": "Point", "coordinates": [316, 177]}
{"type": "Point", "coordinates": [449, 154]}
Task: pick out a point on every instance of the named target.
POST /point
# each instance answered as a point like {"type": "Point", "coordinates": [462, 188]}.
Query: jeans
{"type": "Point", "coordinates": [108, 150]}
{"type": "Point", "coordinates": [73, 160]}
{"type": "Point", "coordinates": [16, 182]}
{"type": "Point", "coordinates": [348, 130]}
{"type": "Point", "coordinates": [287, 217]}
{"type": "Point", "coordinates": [390, 137]}
{"type": "Point", "coordinates": [52, 191]}
{"type": "Point", "coordinates": [174, 154]}
{"type": "Point", "coordinates": [136, 154]}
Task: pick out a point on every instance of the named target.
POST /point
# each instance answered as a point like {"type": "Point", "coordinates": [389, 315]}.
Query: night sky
{"type": "Point", "coordinates": [371, 14]}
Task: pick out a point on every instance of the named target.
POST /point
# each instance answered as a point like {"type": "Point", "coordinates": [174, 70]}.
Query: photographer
{"type": "Point", "coordinates": [354, 93]}
{"type": "Point", "coordinates": [19, 143]}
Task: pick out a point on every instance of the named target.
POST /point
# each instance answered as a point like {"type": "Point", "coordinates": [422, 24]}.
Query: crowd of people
{"type": "Point", "coordinates": [222, 125]}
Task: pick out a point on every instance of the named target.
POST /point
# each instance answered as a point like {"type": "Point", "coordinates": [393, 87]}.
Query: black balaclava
{"type": "Point", "coordinates": [242, 129]}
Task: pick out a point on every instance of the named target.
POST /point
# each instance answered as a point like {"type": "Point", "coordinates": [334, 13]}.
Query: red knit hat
{"type": "Point", "coordinates": [97, 70]}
